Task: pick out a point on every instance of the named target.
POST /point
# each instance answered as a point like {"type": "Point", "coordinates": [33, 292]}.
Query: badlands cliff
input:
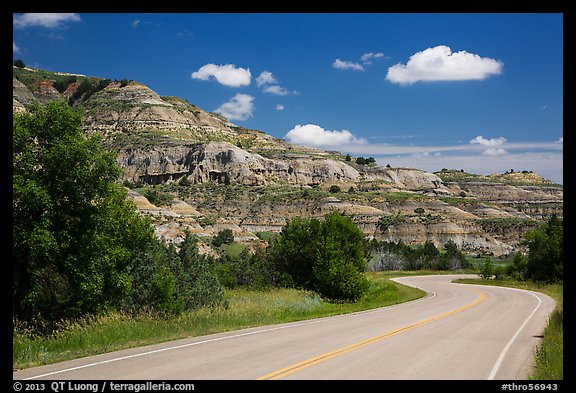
{"type": "Point", "coordinates": [224, 176]}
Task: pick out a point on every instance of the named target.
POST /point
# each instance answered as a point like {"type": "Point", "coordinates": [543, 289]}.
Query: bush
{"type": "Point", "coordinates": [487, 270]}
{"type": "Point", "coordinates": [169, 280]}
{"type": "Point", "coordinates": [225, 236]}
{"type": "Point", "coordinates": [158, 197]}
{"type": "Point", "coordinates": [323, 256]}
{"type": "Point", "coordinates": [334, 189]}
{"type": "Point", "coordinates": [360, 161]}
{"type": "Point", "coordinates": [252, 270]}
{"type": "Point", "coordinates": [198, 282]}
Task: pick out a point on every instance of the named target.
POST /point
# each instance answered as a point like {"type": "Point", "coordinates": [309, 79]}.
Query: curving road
{"type": "Point", "coordinates": [456, 331]}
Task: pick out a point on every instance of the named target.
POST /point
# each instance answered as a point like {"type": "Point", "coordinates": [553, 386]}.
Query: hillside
{"type": "Point", "coordinates": [220, 175]}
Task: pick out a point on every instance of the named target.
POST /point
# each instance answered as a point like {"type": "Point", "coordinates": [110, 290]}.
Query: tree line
{"type": "Point", "coordinates": [390, 255]}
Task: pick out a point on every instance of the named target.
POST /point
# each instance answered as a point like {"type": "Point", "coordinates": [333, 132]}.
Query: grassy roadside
{"type": "Point", "coordinates": [550, 354]}
{"type": "Point", "coordinates": [247, 308]}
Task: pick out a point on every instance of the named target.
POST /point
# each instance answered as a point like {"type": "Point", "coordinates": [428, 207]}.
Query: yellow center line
{"type": "Point", "coordinates": [360, 344]}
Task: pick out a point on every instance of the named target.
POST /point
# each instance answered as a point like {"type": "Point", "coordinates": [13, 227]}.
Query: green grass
{"type": "Point", "coordinates": [550, 355]}
{"type": "Point", "coordinates": [247, 308]}
{"type": "Point", "coordinates": [233, 249]}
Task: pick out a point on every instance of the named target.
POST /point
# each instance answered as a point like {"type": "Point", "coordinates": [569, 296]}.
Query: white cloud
{"type": "Point", "coordinates": [491, 144]}
{"type": "Point", "coordinates": [280, 107]}
{"type": "Point", "coordinates": [561, 140]}
{"type": "Point", "coordinates": [275, 89]}
{"type": "Point", "coordinates": [51, 20]}
{"type": "Point", "coordinates": [265, 78]}
{"type": "Point", "coordinates": [440, 64]}
{"type": "Point", "coordinates": [488, 142]}
{"type": "Point", "coordinates": [15, 48]}
{"type": "Point", "coordinates": [426, 154]}
{"type": "Point", "coordinates": [226, 74]}
{"type": "Point", "coordinates": [495, 151]}
{"type": "Point", "coordinates": [269, 84]}
{"type": "Point", "coordinates": [239, 107]}
{"type": "Point", "coordinates": [367, 58]}
{"type": "Point", "coordinates": [347, 65]}
{"type": "Point", "coordinates": [314, 135]}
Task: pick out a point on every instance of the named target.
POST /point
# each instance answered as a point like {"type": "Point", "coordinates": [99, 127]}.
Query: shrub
{"type": "Point", "coordinates": [157, 197]}
{"type": "Point", "coordinates": [323, 256]}
{"type": "Point", "coordinates": [225, 236]}
{"type": "Point", "coordinates": [487, 270]}
{"type": "Point", "coordinates": [169, 280]}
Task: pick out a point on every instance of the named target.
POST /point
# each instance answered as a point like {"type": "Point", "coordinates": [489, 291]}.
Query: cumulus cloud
{"type": "Point", "coordinates": [15, 48]}
{"type": "Point", "coordinates": [347, 65]}
{"type": "Point", "coordinates": [265, 78]}
{"type": "Point", "coordinates": [488, 142]}
{"type": "Point", "coordinates": [560, 140]}
{"type": "Point", "coordinates": [227, 74]}
{"type": "Point", "coordinates": [491, 145]}
{"type": "Point", "coordinates": [239, 107]}
{"type": "Point", "coordinates": [440, 64]}
{"type": "Point", "coordinates": [275, 89]}
{"type": "Point", "coordinates": [49, 20]}
{"type": "Point", "coordinates": [279, 107]}
{"type": "Point", "coordinates": [269, 84]}
{"type": "Point", "coordinates": [314, 135]}
{"type": "Point", "coordinates": [367, 58]}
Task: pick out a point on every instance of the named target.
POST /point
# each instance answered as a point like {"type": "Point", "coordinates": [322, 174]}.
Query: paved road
{"type": "Point", "coordinates": [456, 332]}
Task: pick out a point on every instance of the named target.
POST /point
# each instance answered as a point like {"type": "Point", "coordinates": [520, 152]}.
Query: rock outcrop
{"type": "Point", "coordinates": [222, 162]}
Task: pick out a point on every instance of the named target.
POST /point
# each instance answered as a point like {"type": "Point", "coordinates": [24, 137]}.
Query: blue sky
{"type": "Point", "coordinates": [479, 92]}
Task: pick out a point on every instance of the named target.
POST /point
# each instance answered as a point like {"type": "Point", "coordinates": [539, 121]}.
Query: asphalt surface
{"type": "Point", "coordinates": [457, 331]}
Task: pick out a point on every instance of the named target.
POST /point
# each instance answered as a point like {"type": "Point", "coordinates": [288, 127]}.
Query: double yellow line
{"type": "Point", "coordinates": [360, 344]}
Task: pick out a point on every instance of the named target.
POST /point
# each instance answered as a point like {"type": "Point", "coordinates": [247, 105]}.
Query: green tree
{"type": "Point", "coordinates": [324, 256]}
{"type": "Point", "coordinates": [430, 255]}
{"type": "Point", "coordinates": [74, 232]}
{"type": "Point", "coordinates": [154, 281]}
{"type": "Point", "coordinates": [518, 268]}
{"type": "Point", "coordinates": [545, 257]}
{"type": "Point", "coordinates": [169, 280]}
{"type": "Point", "coordinates": [334, 189]}
{"type": "Point", "coordinates": [197, 278]}
{"type": "Point", "coordinates": [225, 236]}
{"type": "Point", "coordinates": [487, 270]}
{"type": "Point", "coordinates": [452, 258]}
